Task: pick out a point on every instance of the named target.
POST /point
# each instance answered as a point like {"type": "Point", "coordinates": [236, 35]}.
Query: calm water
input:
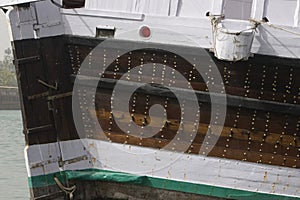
{"type": "Point", "coordinates": [13, 176]}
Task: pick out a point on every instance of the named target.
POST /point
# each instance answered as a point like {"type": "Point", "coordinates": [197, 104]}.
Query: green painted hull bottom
{"type": "Point", "coordinates": [167, 184]}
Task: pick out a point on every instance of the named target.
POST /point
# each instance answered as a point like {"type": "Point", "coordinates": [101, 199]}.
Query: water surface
{"type": "Point", "coordinates": [13, 176]}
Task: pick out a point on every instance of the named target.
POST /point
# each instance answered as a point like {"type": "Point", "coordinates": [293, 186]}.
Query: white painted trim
{"type": "Point", "coordinates": [217, 7]}
{"type": "Point", "coordinates": [4, 3]}
{"type": "Point", "coordinates": [268, 41]}
{"type": "Point", "coordinates": [183, 167]}
{"type": "Point", "coordinates": [258, 9]}
{"type": "Point", "coordinates": [41, 19]}
{"type": "Point", "coordinates": [297, 15]}
{"type": "Point", "coordinates": [103, 14]}
{"type": "Point", "coordinates": [47, 20]}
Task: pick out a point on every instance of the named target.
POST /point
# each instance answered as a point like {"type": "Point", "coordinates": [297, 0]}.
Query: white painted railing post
{"type": "Point", "coordinates": [297, 15]}
{"type": "Point", "coordinates": [217, 7]}
{"type": "Point", "coordinates": [258, 9]}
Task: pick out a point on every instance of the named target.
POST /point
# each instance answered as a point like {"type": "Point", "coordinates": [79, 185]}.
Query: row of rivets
{"type": "Point", "coordinates": [104, 64]}
{"type": "Point", "coordinates": [72, 60]}
{"type": "Point", "coordinates": [129, 66]}
{"type": "Point", "coordinates": [283, 133]}
{"type": "Point", "coordinates": [265, 135]}
{"type": "Point", "coordinates": [117, 65]}
{"type": "Point", "coordinates": [262, 82]}
{"type": "Point", "coordinates": [253, 120]}
{"type": "Point", "coordinates": [295, 141]}
{"type": "Point", "coordinates": [237, 116]}
{"type": "Point", "coordinates": [274, 84]}
{"type": "Point", "coordinates": [226, 76]}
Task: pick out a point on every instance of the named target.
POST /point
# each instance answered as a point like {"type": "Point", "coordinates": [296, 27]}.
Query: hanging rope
{"type": "Point", "coordinates": [69, 191]}
{"type": "Point", "coordinates": [223, 30]}
{"type": "Point", "coordinates": [238, 33]}
{"type": "Point", "coordinates": [215, 20]}
{"type": "Point", "coordinates": [276, 27]}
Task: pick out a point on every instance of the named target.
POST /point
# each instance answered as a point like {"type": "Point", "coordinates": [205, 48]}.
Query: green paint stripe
{"type": "Point", "coordinates": [104, 175]}
{"type": "Point", "coordinates": [45, 180]}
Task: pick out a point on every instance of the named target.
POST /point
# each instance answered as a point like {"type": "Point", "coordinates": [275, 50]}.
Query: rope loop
{"type": "Point", "coordinates": [68, 190]}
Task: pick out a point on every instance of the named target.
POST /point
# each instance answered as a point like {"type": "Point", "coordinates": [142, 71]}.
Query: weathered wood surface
{"type": "Point", "coordinates": [257, 134]}
{"type": "Point", "coordinates": [95, 190]}
{"type": "Point", "coordinates": [260, 134]}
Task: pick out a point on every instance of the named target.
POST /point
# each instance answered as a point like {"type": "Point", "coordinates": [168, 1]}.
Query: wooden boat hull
{"type": "Point", "coordinates": [260, 134]}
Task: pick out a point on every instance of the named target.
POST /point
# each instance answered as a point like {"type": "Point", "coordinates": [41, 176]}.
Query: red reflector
{"type": "Point", "coordinates": [145, 31]}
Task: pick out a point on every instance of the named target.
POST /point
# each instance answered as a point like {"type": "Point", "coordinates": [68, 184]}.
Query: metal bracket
{"type": "Point", "coordinates": [38, 96]}
{"type": "Point", "coordinates": [46, 25]}
{"type": "Point", "coordinates": [27, 60]}
{"type": "Point", "coordinates": [59, 96]}
{"type": "Point", "coordinates": [40, 129]}
{"type": "Point", "coordinates": [55, 87]}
